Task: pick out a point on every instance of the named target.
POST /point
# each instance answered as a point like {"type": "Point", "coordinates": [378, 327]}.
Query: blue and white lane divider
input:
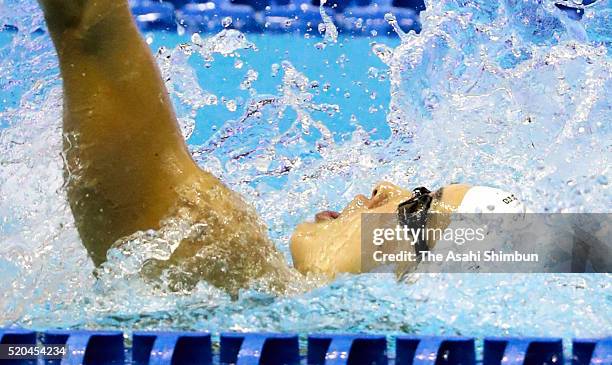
{"type": "Point", "coordinates": [151, 15]}
{"type": "Point", "coordinates": [357, 17]}
{"type": "Point", "coordinates": [259, 348]}
{"type": "Point", "coordinates": [86, 347]}
{"type": "Point", "coordinates": [434, 350]}
{"type": "Point", "coordinates": [346, 349]}
{"type": "Point", "coordinates": [171, 348]}
{"type": "Point", "coordinates": [183, 348]}
{"type": "Point", "coordinates": [209, 17]}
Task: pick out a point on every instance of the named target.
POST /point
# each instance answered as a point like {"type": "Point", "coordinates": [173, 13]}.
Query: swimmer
{"type": "Point", "coordinates": [332, 244]}
{"type": "Point", "coordinates": [127, 167]}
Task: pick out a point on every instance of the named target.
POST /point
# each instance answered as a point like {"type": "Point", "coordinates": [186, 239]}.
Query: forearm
{"type": "Point", "coordinates": [125, 155]}
{"type": "Point", "coordinates": [112, 85]}
{"type": "Point", "coordinates": [87, 24]}
{"type": "Point", "coordinates": [62, 14]}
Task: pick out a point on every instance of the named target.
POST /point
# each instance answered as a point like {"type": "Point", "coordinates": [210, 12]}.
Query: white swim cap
{"type": "Point", "coordinates": [484, 199]}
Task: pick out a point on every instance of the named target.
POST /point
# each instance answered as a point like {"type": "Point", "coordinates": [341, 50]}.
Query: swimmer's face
{"type": "Point", "coordinates": [332, 243]}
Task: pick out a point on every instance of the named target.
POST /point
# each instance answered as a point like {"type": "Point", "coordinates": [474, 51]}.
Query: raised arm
{"type": "Point", "coordinates": [127, 166]}
{"type": "Point", "coordinates": [125, 154]}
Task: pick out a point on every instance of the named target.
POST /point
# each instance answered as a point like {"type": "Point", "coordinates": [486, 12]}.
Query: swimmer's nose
{"type": "Point", "coordinates": [326, 216]}
{"type": "Point", "coordinates": [380, 194]}
{"type": "Point", "coordinates": [383, 192]}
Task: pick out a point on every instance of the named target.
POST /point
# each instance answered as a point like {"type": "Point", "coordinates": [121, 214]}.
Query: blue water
{"type": "Point", "coordinates": [344, 65]}
{"type": "Point", "coordinates": [347, 74]}
{"type": "Point", "coordinates": [510, 94]}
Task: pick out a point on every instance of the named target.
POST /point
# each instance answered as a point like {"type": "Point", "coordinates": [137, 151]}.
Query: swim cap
{"type": "Point", "coordinates": [484, 199]}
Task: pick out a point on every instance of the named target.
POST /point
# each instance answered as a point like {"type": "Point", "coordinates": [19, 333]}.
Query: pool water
{"type": "Point", "coordinates": [360, 92]}
{"type": "Point", "coordinates": [511, 94]}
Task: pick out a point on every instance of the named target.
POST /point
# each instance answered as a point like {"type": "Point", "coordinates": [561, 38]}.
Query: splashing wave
{"type": "Point", "coordinates": [512, 94]}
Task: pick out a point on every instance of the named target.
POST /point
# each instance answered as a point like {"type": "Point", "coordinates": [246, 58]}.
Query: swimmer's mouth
{"type": "Point", "coordinates": [326, 215]}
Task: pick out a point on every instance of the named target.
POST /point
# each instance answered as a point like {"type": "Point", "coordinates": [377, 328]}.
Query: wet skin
{"type": "Point", "coordinates": [128, 169]}
{"type": "Point", "coordinates": [332, 243]}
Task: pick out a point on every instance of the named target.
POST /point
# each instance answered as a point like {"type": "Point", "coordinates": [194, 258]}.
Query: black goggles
{"type": "Point", "coordinates": [413, 214]}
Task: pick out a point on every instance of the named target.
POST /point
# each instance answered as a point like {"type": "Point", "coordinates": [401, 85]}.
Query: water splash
{"type": "Point", "coordinates": [488, 85]}
{"type": "Point", "coordinates": [511, 94]}
{"type": "Point", "coordinates": [180, 78]}
{"type": "Point", "coordinates": [328, 28]}
{"type": "Point", "coordinates": [392, 20]}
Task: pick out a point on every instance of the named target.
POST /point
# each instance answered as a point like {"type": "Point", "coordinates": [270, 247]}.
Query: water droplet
{"type": "Point", "coordinates": [383, 52]}
{"type": "Point", "coordinates": [249, 78]}
{"type": "Point", "coordinates": [446, 355]}
{"type": "Point", "coordinates": [392, 20]}
{"type": "Point", "coordinates": [330, 30]}
{"type": "Point", "coordinates": [231, 105]}
{"type": "Point", "coordinates": [196, 39]}
{"type": "Point", "coordinates": [227, 21]}
{"type": "Point", "coordinates": [602, 179]}
{"type": "Point", "coordinates": [212, 100]}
